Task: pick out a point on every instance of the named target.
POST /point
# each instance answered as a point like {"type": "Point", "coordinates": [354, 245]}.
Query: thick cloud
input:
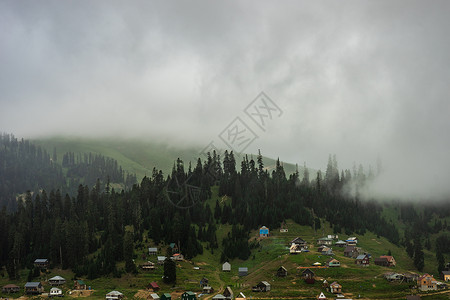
{"type": "Point", "coordinates": [359, 79]}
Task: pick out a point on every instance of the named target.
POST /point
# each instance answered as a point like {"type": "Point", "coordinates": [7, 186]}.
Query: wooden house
{"type": "Point", "coordinates": [79, 285]}
{"type": "Point", "coordinates": [56, 292]}
{"type": "Point", "coordinates": [114, 295]}
{"type": "Point", "coordinates": [188, 296]}
{"type": "Point", "coordinates": [207, 289]}
{"type": "Point", "coordinates": [148, 266]}
{"type": "Point", "coordinates": [426, 282]}
{"type": "Point", "coordinates": [152, 251]}
{"type": "Point", "coordinates": [300, 242]}
{"type": "Point", "coordinates": [262, 286]}
{"type": "Point", "coordinates": [204, 282]}
{"type": "Point", "coordinates": [42, 263]}
{"type": "Point", "coordinates": [228, 293]}
{"type": "Point", "coordinates": [160, 260]}
{"type": "Point", "coordinates": [340, 243]}
{"type": "Point", "coordinates": [177, 257]}
{"type": "Point", "coordinates": [325, 241]}
{"type": "Point", "coordinates": [33, 288]}
{"type": "Point", "coordinates": [10, 288]}
{"type": "Point", "coordinates": [282, 272]}
{"type": "Point", "coordinates": [445, 275]}
{"type": "Point", "coordinates": [390, 259]}
{"type": "Point", "coordinates": [308, 276]}
{"type": "Point", "coordinates": [241, 296]}
{"type": "Point", "coordinates": [327, 251]}
{"type": "Point", "coordinates": [154, 286]}
{"type": "Point", "coordinates": [154, 296]}
{"type": "Point", "coordinates": [263, 231]}
{"type": "Point", "coordinates": [295, 249]}
{"type": "Point", "coordinates": [173, 247]}
{"type": "Point", "coordinates": [333, 263]}
{"type": "Point", "coordinates": [411, 277]}
{"type": "Point", "coordinates": [226, 267]}
{"type": "Point", "coordinates": [335, 288]}
{"type": "Point", "coordinates": [349, 251]}
{"type": "Point", "coordinates": [362, 260]}
{"type": "Point", "coordinates": [243, 271]}
{"type": "Point", "coordinates": [166, 296]}
{"type": "Point", "coordinates": [56, 280]}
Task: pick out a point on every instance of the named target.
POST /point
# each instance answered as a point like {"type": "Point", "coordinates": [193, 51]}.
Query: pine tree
{"type": "Point", "coordinates": [170, 271]}
{"type": "Point", "coordinates": [419, 262]}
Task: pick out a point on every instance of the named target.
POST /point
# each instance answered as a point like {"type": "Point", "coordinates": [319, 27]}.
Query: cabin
{"type": "Point", "coordinates": [219, 297]}
{"type": "Point", "coordinates": [327, 251]}
{"type": "Point", "coordinates": [160, 260]}
{"type": "Point", "coordinates": [148, 266]}
{"type": "Point", "coordinates": [295, 249]}
{"type": "Point", "coordinates": [325, 241]}
{"type": "Point", "coordinates": [42, 263]}
{"type": "Point", "coordinates": [177, 257]}
{"type": "Point", "coordinates": [154, 296]}
{"type": "Point", "coordinates": [321, 296]}
{"type": "Point", "coordinates": [10, 288]}
{"type": "Point", "coordinates": [445, 275]}
{"type": "Point", "coordinates": [262, 286]}
{"type": "Point", "coordinates": [390, 259]}
{"type": "Point", "coordinates": [243, 271]}
{"type": "Point", "coordinates": [207, 290]}
{"type": "Point", "coordinates": [226, 267]}
{"type": "Point", "coordinates": [333, 263]}
{"type": "Point", "coordinates": [300, 242]}
{"type": "Point", "coordinates": [33, 288]}
{"type": "Point", "coordinates": [282, 272]}
{"type": "Point", "coordinates": [264, 232]}
{"type": "Point", "coordinates": [188, 296]}
{"type": "Point", "coordinates": [362, 260]}
{"type": "Point", "coordinates": [241, 296]}
{"type": "Point", "coordinates": [340, 243]}
{"type": "Point", "coordinates": [204, 282]}
{"type": "Point", "coordinates": [154, 286]}
{"type": "Point", "coordinates": [79, 285]}
{"type": "Point", "coordinates": [228, 293]}
{"type": "Point", "coordinates": [174, 247]}
{"type": "Point", "coordinates": [308, 276]}
{"type": "Point", "coordinates": [56, 292]}
{"type": "Point", "coordinates": [385, 261]}
{"type": "Point", "coordinates": [349, 251]}
{"type": "Point", "coordinates": [166, 296]}
{"type": "Point", "coordinates": [57, 280]}
{"type": "Point", "coordinates": [152, 251]}
{"type": "Point", "coordinates": [411, 277]}
{"type": "Point", "coordinates": [114, 295]}
{"type": "Point", "coordinates": [426, 282]}
{"type": "Point", "coordinates": [335, 288]}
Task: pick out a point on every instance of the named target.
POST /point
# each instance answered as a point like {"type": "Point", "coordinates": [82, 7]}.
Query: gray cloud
{"type": "Point", "coordinates": [357, 78]}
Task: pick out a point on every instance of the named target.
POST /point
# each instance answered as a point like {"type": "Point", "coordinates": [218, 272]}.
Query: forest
{"type": "Point", "coordinates": [78, 222]}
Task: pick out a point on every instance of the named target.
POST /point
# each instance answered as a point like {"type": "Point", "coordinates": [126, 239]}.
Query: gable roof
{"type": "Point", "coordinates": [153, 249]}
{"type": "Point", "coordinates": [243, 269]}
{"type": "Point", "coordinates": [335, 284]}
{"type": "Point", "coordinates": [161, 258]}
{"type": "Point", "coordinates": [32, 284]}
{"type": "Point", "coordinates": [41, 260]}
{"type": "Point", "coordinates": [154, 285]}
{"type": "Point", "coordinates": [340, 242]}
{"type": "Point", "coordinates": [446, 272]}
{"type": "Point", "coordinates": [307, 271]}
{"type": "Point", "coordinates": [11, 286]}
{"type": "Point", "coordinates": [298, 240]}
{"type": "Point", "coordinates": [265, 283]}
{"type": "Point", "coordinates": [57, 278]}
{"type": "Point", "coordinates": [114, 293]}
{"type": "Point", "coordinates": [361, 257]}
{"type": "Point", "coordinates": [80, 282]}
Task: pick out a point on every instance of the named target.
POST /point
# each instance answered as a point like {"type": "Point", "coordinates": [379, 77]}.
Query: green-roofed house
{"type": "Point", "coordinates": [166, 296]}
{"type": "Point", "coordinates": [188, 296]}
{"type": "Point", "coordinates": [79, 285]}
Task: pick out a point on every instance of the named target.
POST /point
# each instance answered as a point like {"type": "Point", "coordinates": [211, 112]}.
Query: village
{"type": "Point", "coordinates": [330, 250]}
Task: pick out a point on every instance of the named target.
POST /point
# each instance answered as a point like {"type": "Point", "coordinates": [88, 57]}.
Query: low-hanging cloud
{"type": "Point", "coordinates": [360, 79]}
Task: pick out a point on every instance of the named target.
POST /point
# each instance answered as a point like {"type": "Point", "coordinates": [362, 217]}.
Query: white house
{"type": "Point", "coordinates": [114, 295]}
{"type": "Point", "coordinates": [226, 267]}
{"type": "Point", "coordinates": [55, 292]}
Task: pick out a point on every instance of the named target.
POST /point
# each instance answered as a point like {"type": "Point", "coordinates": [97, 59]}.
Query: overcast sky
{"type": "Point", "coordinates": [357, 79]}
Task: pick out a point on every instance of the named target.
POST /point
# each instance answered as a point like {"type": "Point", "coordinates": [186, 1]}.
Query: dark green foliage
{"type": "Point", "coordinates": [170, 271]}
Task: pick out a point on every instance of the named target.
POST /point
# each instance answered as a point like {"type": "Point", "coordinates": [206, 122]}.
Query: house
{"type": "Point", "coordinates": [243, 271]}
{"type": "Point", "coordinates": [226, 267]}
{"type": "Point", "coordinates": [174, 247]}
{"type": "Point", "coordinates": [57, 280]}
{"type": "Point", "coordinates": [340, 243]}
{"type": "Point", "coordinates": [55, 292]}
{"type": "Point", "coordinates": [362, 260]}
{"type": "Point", "coordinates": [204, 282]}
{"type": "Point", "coordinates": [335, 288]}
{"type": "Point", "coordinates": [42, 263]}
{"type": "Point", "coordinates": [308, 276]}
{"type": "Point", "coordinates": [148, 266]}
{"type": "Point", "coordinates": [294, 249]}
{"type": "Point", "coordinates": [154, 296]}
{"type": "Point", "coordinates": [349, 251]}
{"type": "Point", "coordinates": [166, 296]}
{"type": "Point", "coordinates": [177, 257]}
{"type": "Point", "coordinates": [410, 277]}
{"type": "Point", "coordinates": [160, 260]}
{"type": "Point", "coordinates": [327, 251]}
{"type": "Point", "coordinates": [263, 231]}
{"type": "Point", "coordinates": [262, 286]}
{"type": "Point", "coordinates": [320, 248]}
{"type": "Point", "coordinates": [333, 263]}
{"type": "Point", "coordinates": [188, 296]}
{"type": "Point", "coordinates": [228, 293]}
{"type": "Point", "coordinates": [392, 276]}
{"type": "Point", "coordinates": [445, 275]}
{"type": "Point", "coordinates": [381, 261]}
{"type": "Point", "coordinates": [207, 290]}
{"type": "Point", "coordinates": [241, 296]}
{"type": "Point", "coordinates": [321, 296]}
{"type": "Point", "coordinates": [10, 288]}
{"type": "Point", "coordinates": [282, 272]}
{"type": "Point", "coordinates": [426, 282]}
{"type": "Point", "coordinates": [34, 288]}
{"type": "Point", "coordinates": [79, 285]}
{"type": "Point", "coordinates": [300, 242]}
{"type": "Point", "coordinates": [154, 286]}
{"type": "Point", "coordinates": [152, 251]}
{"type": "Point", "coordinates": [219, 297]}
{"type": "Point", "coordinates": [390, 260]}
{"type": "Point", "coordinates": [114, 295]}
{"type": "Point", "coordinates": [325, 241]}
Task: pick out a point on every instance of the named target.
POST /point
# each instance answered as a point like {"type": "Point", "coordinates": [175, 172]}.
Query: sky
{"type": "Point", "coordinates": [364, 80]}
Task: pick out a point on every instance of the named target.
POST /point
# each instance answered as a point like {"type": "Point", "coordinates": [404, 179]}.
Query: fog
{"type": "Point", "coordinates": [357, 79]}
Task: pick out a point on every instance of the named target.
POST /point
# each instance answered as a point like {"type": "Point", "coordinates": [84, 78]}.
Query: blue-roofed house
{"type": "Point", "coordinates": [263, 231]}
